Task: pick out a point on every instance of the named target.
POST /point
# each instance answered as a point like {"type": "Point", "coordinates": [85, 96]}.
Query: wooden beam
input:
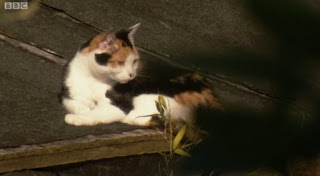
{"type": "Point", "coordinates": [83, 149]}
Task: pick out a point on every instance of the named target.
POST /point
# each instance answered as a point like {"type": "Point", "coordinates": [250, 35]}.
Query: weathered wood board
{"type": "Point", "coordinates": [83, 149]}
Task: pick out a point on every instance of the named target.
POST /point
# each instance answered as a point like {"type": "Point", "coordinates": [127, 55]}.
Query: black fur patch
{"type": "Point", "coordinates": [122, 94]}
{"type": "Point", "coordinates": [123, 35]}
{"type": "Point", "coordinates": [169, 87]}
{"type": "Point", "coordinates": [102, 59]}
{"type": "Point", "coordinates": [64, 93]}
{"type": "Point", "coordinates": [86, 44]}
{"type": "Point", "coordinates": [121, 100]}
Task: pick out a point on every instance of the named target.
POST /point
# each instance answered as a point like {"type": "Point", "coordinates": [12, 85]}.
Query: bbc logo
{"type": "Point", "coordinates": [15, 5]}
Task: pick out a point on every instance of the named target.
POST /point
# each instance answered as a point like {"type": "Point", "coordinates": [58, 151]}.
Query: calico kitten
{"type": "Point", "coordinates": [101, 87]}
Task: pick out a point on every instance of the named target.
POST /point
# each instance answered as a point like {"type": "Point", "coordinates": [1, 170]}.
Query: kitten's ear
{"type": "Point", "coordinates": [132, 31]}
{"type": "Point", "coordinates": [107, 40]}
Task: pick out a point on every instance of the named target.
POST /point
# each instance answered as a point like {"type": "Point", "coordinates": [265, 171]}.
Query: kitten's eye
{"type": "Point", "coordinates": [135, 61]}
{"type": "Point", "coordinates": [120, 63]}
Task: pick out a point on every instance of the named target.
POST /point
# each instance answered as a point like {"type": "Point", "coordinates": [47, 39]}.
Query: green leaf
{"type": "Point", "coordinates": [191, 125]}
{"type": "Point", "coordinates": [182, 153]}
{"type": "Point", "coordinates": [162, 101]}
{"type": "Point", "coordinates": [157, 105]}
{"type": "Point", "coordinates": [171, 173]}
{"type": "Point", "coordinates": [163, 154]}
{"type": "Point", "coordinates": [159, 108]}
{"type": "Point", "coordinates": [179, 136]}
{"type": "Point", "coordinates": [187, 145]}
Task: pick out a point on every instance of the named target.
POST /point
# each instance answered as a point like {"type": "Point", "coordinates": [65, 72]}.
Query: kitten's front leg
{"type": "Point", "coordinates": [75, 107]}
{"type": "Point", "coordinates": [102, 114]}
{"type": "Point", "coordinates": [78, 120]}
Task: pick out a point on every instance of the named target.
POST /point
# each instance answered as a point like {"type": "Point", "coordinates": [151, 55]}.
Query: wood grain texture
{"type": "Point", "coordinates": [83, 149]}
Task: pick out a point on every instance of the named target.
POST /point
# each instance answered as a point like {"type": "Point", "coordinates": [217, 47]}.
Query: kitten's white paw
{"type": "Point", "coordinates": [79, 120]}
{"type": "Point", "coordinates": [140, 121]}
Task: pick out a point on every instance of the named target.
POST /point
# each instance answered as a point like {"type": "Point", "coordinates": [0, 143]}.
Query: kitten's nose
{"type": "Point", "coordinates": [131, 75]}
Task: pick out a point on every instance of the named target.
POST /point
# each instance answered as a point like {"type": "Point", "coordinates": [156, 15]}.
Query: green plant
{"type": "Point", "coordinates": [176, 144]}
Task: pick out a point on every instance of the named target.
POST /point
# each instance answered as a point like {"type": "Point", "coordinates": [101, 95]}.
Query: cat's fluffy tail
{"type": "Point", "coordinates": [200, 93]}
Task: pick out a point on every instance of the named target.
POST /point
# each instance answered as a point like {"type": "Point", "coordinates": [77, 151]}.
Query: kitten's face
{"type": "Point", "coordinates": [112, 55]}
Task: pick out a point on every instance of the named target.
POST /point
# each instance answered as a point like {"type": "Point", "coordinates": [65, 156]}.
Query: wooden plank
{"type": "Point", "coordinates": [51, 31]}
{"type": "Point", "coordinates": [83, 149]}
{"type": "Point", "coordinates": [33, 49]}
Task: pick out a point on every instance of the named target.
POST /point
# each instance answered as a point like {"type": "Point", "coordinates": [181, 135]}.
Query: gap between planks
{"type": "Point", "coordinates": [44, 53]}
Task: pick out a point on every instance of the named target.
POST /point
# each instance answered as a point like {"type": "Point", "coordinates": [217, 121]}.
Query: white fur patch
{"type": "Point", "coordinates": [144, 107]}
{"type": "Point", "coordinates": [103, 114]}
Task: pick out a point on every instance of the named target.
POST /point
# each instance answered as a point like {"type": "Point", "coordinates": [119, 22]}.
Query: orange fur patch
{"type": "Point", "coordinates": [195, 99]}
{"type": "Point", "coordinates": [119, 51]}
{"type": "Point", "coordinates": [181, 79]}
{"type": "Point", "coordinates": [95, 42]}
